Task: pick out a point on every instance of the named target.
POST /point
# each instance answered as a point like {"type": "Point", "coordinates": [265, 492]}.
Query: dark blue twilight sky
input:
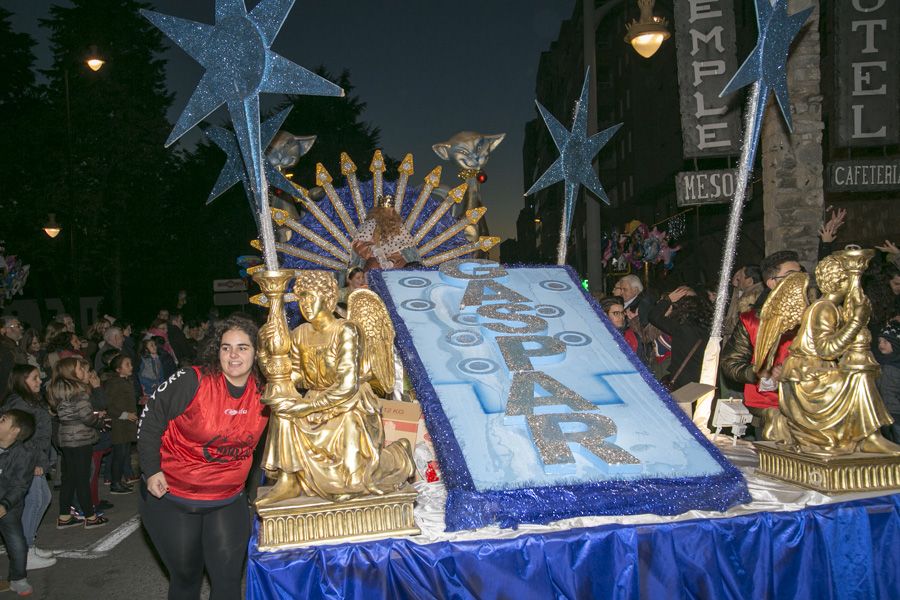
{"type": "Point", "coordinates": [425, 68]}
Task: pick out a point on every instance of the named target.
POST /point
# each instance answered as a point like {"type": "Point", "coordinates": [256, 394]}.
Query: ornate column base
{"type": "Point", "coordinates": [307, 521]}
{"type": "Point", "coordinates": [859, 472]}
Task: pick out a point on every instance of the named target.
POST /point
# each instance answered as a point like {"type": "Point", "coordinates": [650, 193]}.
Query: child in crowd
{"type": "Point", "coordinates": [122, 408]}
{"type": "Point", "coordinates": [150, 372]}
{"type": "Point", "coordinates": [888, 357]}
{"type": "Point", "coordinates": [16, 473]}
{"type": "Point", "coordinates": [70, 394]}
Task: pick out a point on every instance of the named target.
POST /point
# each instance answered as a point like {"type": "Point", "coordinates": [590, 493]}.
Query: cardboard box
{"type": "Point", "coordinates": [401, 420]}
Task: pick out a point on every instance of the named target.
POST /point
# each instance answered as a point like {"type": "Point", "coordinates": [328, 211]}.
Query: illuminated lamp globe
{"type": "Point", "coordinates": [94, 62]}
{"type": "Point", "coordinates": [52, 228]}
{"type": "Point", "coordinates": [648, 33]}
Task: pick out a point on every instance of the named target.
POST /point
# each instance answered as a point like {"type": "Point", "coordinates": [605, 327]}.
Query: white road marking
{"type": "Point", "coordinates": [102, 546]}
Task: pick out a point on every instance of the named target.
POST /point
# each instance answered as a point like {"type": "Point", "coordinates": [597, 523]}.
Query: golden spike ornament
{"type": "Point", "coordinates": [318, 259]}
{"type": "Point", "coordinates": [282, 218]}
{"type": "Point", "coordinates": [377, 169]}
{"type": "Point", "coordinates": [306, 202]}
{"type": "Point", "coordinates": [406, 169]}
{"type": "Point", "coordinates": [323, 179]}
{"type": "Point", "coordinates": [454, 196]}
{"type": "Point", "coordinates": [472, 216]}
{"type": "Point", "coordinates": [432, 180]}
{"type": "Point", "coordinates": [483, 244]}
{"type": "Point", "coordinates": [348, 170]}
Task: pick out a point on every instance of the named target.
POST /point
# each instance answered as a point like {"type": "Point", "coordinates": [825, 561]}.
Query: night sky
{"type": "Point", "coordinates": [426, 69]}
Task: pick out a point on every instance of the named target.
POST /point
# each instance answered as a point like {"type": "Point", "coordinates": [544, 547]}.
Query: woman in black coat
{"type": "Point", "coordinates": [686, 317]}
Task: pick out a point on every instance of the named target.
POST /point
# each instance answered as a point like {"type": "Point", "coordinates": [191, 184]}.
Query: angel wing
{"type": "Point", "coordinates": [781, 312]}
{"type": "Point", "coordinates": [368, 312]}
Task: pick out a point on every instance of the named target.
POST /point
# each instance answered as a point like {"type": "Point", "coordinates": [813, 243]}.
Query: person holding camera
{"type": "Point", "coordinates": [69, 393]}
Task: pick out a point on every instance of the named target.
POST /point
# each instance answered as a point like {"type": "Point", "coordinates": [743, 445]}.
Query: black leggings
{"type": "Point", "coordinates": [188, 537]}
{"type": "Point", "coordinates": [76, 479]}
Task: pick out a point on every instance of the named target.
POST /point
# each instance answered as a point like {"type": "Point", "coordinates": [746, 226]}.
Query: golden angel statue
{"type": "Point", "coordinates": [328, 443]}
{"type": "Point", "coordinates": [828, 401]}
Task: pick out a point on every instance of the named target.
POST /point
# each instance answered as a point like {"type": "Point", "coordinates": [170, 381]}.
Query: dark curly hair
{"type": "Point", "coordinates": [208, 356]}
{"type": "Point", "coordinates": [693, 310]}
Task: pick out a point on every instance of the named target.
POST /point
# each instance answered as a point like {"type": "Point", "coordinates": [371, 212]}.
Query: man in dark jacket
{"type": "Point", "coordinates": [184, 354]}
{"type": "Point", "coordinates": [760, 393]}
{"type": "Point", "coordinates": [10, 353]}
{"type": "Point", "coordinates": [16, 472]}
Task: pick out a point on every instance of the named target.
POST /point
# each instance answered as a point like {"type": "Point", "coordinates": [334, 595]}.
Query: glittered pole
{"type": "Point", "coordinates": [710, 369]}
{"type": "Point", "coordinates": [251, 149]}
{"type": "Point", "coordinates": [565, 224]}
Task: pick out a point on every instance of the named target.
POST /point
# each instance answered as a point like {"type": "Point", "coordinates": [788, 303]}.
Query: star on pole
{"type": "Point", "coordinates": [240, 65]}
{"type": "Point", "coordinates": [574, 165]}
{"type": "Point", "coordinates": [234, 171]}
{"type": "Point", "coordinates": [766, 69]}
{"type": "Point", "coordinates": [767, 62]}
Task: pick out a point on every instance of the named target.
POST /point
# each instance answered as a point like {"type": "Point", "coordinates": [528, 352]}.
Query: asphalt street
{"type": "Point", "coordinates": [109, 563]}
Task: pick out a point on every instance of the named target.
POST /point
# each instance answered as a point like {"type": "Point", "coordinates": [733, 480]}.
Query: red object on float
{"type": "Point", "coordinates": [481, 177]}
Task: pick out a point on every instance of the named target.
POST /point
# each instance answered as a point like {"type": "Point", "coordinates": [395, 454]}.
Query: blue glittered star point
{"type": "Point", "coordinates": [574, 165]}
{"type": "Point", "coordinates": [239, 65]}
{"type": "Point", "coordinates": [767, 62]}
{"type": "Point", "coordinates": [238, 60]}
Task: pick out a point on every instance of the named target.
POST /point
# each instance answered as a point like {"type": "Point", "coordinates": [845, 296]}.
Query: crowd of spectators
{"type": "Point", "coordinates": [669, 332]}
{"type": "Point", "coordinates": [82, 391]}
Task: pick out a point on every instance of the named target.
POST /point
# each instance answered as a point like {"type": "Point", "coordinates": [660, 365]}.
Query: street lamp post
{"type": "Point", "coordinates": [94, 62]}
{"type": "Point", "coordinates": [591, 18]}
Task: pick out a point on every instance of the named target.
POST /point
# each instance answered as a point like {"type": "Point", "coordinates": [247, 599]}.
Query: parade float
{"type": "Point", "coordinates": [565, 469]}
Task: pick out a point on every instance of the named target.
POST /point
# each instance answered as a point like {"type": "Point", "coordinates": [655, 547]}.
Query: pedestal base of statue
{"type": "Point", "coordinates": [830, 475]}
{"type": "Point", "coordinates": [306, 520]}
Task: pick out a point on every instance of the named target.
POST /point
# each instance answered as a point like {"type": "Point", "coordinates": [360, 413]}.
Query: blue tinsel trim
{"type": "Point", "coordinates": [468, 508]}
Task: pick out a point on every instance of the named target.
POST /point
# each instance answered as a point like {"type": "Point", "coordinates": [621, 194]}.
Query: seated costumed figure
{"type": "Point", "coordinates": [382, 241]}
{"type": "Point", "coordinates": [829, 403]}
{"type": "Point", "coordinates": [329, 442]}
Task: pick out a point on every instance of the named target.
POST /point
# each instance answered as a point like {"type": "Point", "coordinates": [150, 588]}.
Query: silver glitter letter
{"type": "Point", "coordinates": [522, 400]}
{"type": "Point", "coordinates": [489, 270]}
{"type": "Point", "coordinates": [518, 357]}
{"type": "Point", "coordinates": [509, 312]}
{"type": "Point", "coordinates": [553, 443]}
{"type": "Point", "coordinates": [480, 291]}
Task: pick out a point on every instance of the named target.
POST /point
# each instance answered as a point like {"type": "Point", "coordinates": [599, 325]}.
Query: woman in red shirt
{"type": "Point", "coordinates": [196, 440]}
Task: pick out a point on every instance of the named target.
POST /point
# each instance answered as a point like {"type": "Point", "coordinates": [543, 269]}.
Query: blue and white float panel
{"type": "Point", "coordinates": [537, 408]}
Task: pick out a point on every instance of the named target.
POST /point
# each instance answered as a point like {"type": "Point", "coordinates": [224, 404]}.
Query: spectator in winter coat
{"type": "Point", "coordinates": [122, 409]}
{"type": "Point", "coordinates": [25, 395]}
{"type": "Point", "coordinates": [16, 467]}
{"type": "Point", "coordinates": [70, 394]}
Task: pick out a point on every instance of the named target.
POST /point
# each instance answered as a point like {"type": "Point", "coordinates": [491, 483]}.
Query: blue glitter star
{"type": "Point", "coordinates": [239, 67]}
{"type": "Point", "coordinates": [234, 171]}
{"type": "Point", "coordinates": [767, 63]}
{"type": "Point", "coordinates": [576, 155]}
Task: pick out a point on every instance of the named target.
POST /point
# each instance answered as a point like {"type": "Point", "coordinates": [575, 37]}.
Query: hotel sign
{"type": "Point", "coordinates": [864, 175]}
{"type": "Point", "coordinates": [867, 75]}
{"type": "Point", "coordinates": [704, 37]}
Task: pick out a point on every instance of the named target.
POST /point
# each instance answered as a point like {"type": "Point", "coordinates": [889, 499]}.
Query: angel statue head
{"type": "Point", "coordinates": [316, 291]}
{"type": "Point", "coordinates": [831, 276]}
